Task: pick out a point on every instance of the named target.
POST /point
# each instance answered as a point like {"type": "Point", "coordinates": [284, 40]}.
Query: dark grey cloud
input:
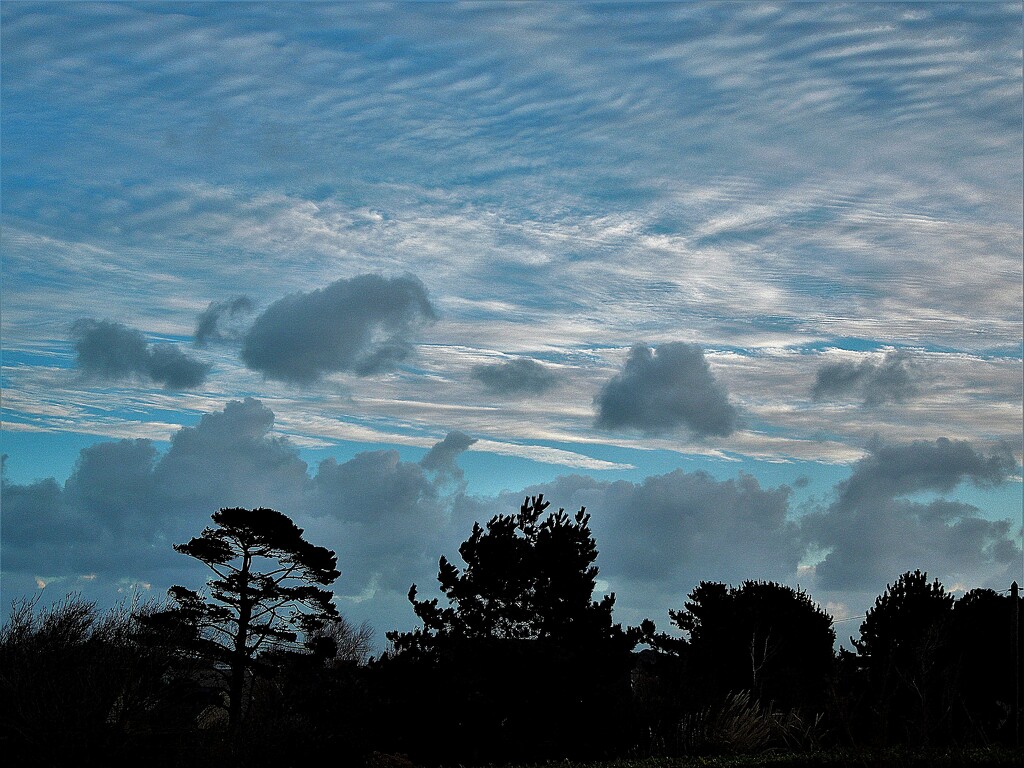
{"type": "Point", "coordinates": [658, 538]}
{"type": "Point", "coordinates": [372, 485]}
{"type": "Point", "coordinates": [36, 525]}
{"type": "Point", "coordinates": [870, 545]}
{"type": "Point", "coordinates": [126, 503]}
{"type": "Point", "coordinates": [114, 481]}
{"type": "Point", "coordinates": [104, 520]}
{"type": "Point", "coordinates": [681, 525]}
{"type": "Point", "coordinates": [115, 518]}
{"type": "Point", "coordinates": [899, 469]}
{"type": "Point", "coordinates": [218, 321]}
{"type": "Point", "coordinates": [872, 533]}
{"type": "Point", "coordinates": [362, 325]}
{"type": "Point", "coordinates": [517, 378]}
{"type": "Point", "coordinates": [109, 351]}
{"type": "Point", "coordinates": [387, 520]}
{"type": "Point", "coordinates": [169, 366]}
{"type": "Point", "coordinates": [888, 381]}
{"type": "Point", "coordinates": [441, 458]}
{"type": "Point", "coordinates": [660, 391]}
{"type": "Point", "coordinates": [231, 459]}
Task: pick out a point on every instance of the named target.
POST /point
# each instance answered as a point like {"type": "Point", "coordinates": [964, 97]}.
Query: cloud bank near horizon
{"type": "Point", "coordinates": [115, 517]}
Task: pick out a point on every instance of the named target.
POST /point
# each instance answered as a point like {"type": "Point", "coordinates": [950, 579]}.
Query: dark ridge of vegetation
{"type": "Point", "coordinates": [520, 665]}
{"type": "Point", "coordinates": [990, 757]}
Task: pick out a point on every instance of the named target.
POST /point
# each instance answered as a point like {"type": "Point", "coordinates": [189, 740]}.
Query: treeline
{"type": "Point", "coordinates": [517, 663]}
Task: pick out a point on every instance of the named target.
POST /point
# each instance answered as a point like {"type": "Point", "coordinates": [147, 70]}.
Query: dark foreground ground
{"type": "Point", "coordinates": [993, 757]}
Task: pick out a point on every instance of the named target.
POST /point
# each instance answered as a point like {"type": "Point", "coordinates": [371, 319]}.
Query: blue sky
{"type": "Point", "coordinates": [702, 267]}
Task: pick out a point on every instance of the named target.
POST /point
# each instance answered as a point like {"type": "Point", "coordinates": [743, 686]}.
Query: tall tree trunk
{"type": "Point", "coordinates": [239, 655]}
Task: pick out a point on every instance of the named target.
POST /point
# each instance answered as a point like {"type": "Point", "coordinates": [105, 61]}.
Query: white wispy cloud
{"type": "Point", "coordinates": [565, 181]}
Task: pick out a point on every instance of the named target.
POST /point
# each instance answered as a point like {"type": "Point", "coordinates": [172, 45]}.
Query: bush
{"type": "Point", "coordinates": [76, 682]}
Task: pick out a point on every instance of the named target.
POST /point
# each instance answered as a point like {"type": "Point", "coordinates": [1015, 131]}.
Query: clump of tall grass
{"type": "Point", "coordinates": [741, 725]}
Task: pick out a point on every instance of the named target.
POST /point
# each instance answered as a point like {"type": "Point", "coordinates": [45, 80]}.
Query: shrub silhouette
{"type": "Point", "coordinates": [75, 681]}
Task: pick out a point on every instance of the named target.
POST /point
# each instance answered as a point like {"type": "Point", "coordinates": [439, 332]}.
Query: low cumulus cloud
{"type": "Point", "coordinates": [115, 518]}
{"type": "Point", "coordinates": [872, 532]}
{"type": "Point", "coordinates": [384, 517]}
{"type": "Point", "coordinates": [658, 538]}
{"type": "Point", "coordinates": [109, 351]}
{"type": "Point", "coordinates": [517, 378]}
{"type": "Point", "coordinates": [875, 382]}
{"type": "Point", "coordinates": [125, 504]}
{"type": "Point", "coordinates": [660, 391]}
{"type": "Point", "coordinates": [220, 320]}
{"type": "Point", "coordinates": [363, 326]}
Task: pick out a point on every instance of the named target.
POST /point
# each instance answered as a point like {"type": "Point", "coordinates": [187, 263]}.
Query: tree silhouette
{"type": "Point", "coordinates": [986, 664]}
{"type": "Point", "coordinates": [903, 649]}
{"type": "Point", "coordinates": [525, 578]}
{"type": "Point", "coordinates": [521, 634]}
{"type": "Point", "coordinates": [763, 637]}
{"type": "Point", "coordinates": [255, 608]}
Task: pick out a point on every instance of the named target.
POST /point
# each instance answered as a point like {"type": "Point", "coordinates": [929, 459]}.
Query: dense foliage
{"type": "Point", "coordinates": [519, 663]}
{"type": "Point", "coordinates": [761, 637]}
{"type": "Point", "coordinates": [521, 648]}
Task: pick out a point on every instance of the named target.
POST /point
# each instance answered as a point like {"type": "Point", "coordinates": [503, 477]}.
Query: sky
{"type": "Point", "coordinates": [743, 279]}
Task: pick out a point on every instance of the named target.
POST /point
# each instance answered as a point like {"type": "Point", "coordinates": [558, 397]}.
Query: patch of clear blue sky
{"type": "Point", "coordinates": [35, 456]}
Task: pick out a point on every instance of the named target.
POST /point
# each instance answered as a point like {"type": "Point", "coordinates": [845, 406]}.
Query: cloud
{"type": "Point", "coordinates": [441, 457]}
{"type": "Point", "coordinates": [663, 390]}
{"type": "Point", "coordinates": [658, 538]}
{"type": "Point", "coordinates": [872, 544]}
{"type": "Point", "coordinates": [36, 526]}
{"type": "Point", "coordinates": [361, 325]}
{"type": "Point", "coordinates": [171, 367]}
{"type": "Point", "coordinates": [871, 533]}
{"type": "Point", "coordinates": [210, 325]}
{"type": "Point", "coordinates": [110, 351]}
{"type": "Point", "coordinates": [385, 519]}
{"type": "Point", "coordinates": [125, 503]}
{"type": "Point", "coordinates": [517, 378]}
{"type": "Point", "coordinates": [231, 459]}
{"type": "Point", "coordinates": [898, 469]}
{"type": "Point", "coordinates": [888, 381]}
{"type": "Point", "coordinates": [113, 480]}
{"type": "Point", "coordinates": [371, 485]}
